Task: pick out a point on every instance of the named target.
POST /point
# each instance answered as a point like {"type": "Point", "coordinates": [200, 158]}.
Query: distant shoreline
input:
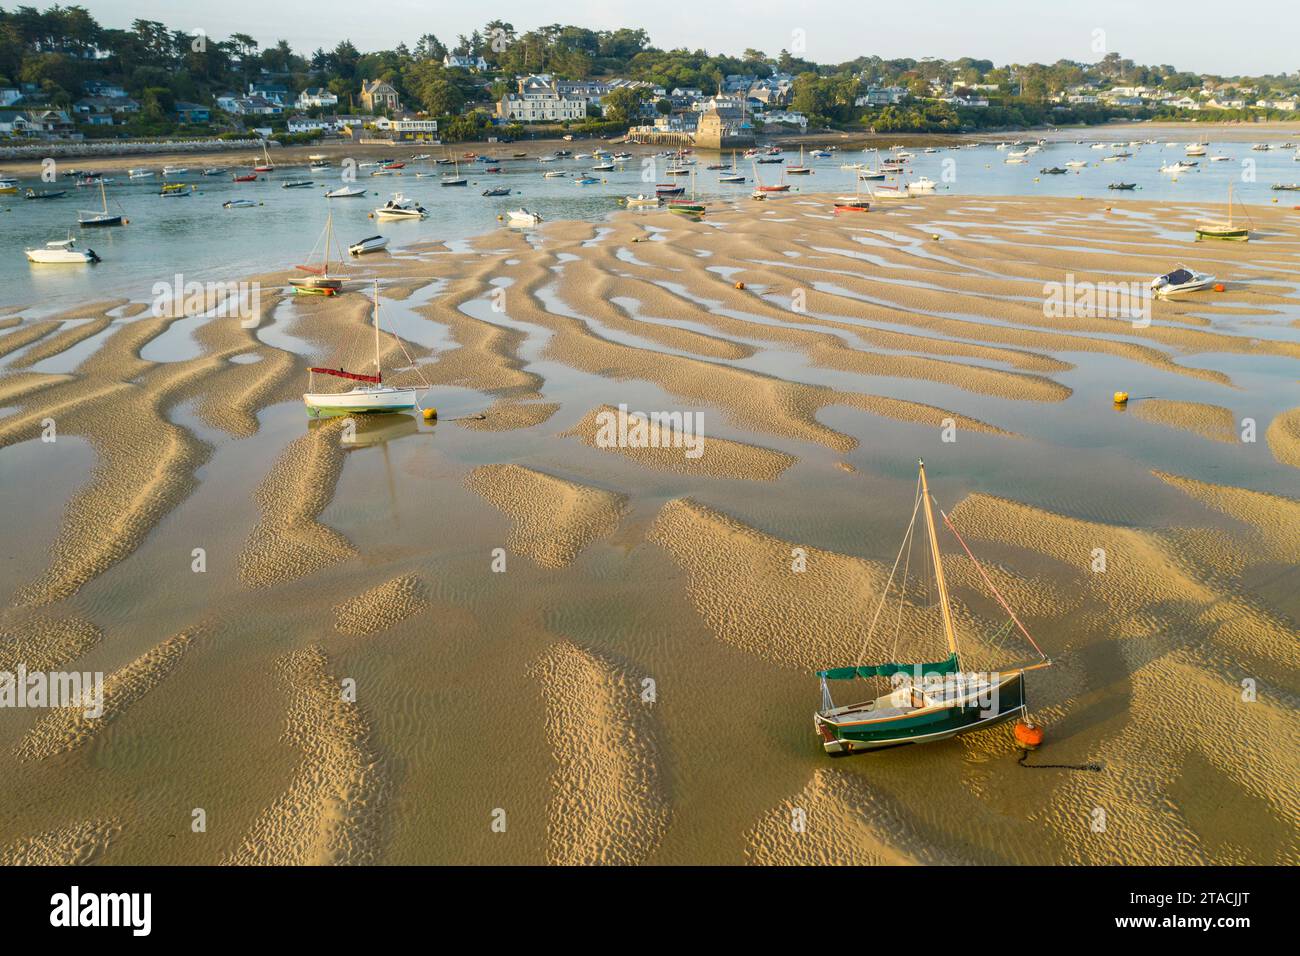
{"type": "Point", "coordinates": [219, 151]}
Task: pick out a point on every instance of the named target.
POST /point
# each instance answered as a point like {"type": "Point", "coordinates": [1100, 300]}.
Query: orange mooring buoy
{"type": "Point", "coordinates": [1028, 735]}
{"type": "Point", "coordinates": [1218, 287]}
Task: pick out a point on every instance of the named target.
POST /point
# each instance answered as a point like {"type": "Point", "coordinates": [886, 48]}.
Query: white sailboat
{"type": "Point", "coordinates": [319, 281]}
{"type": "Point", "coordinates": [370, 395]}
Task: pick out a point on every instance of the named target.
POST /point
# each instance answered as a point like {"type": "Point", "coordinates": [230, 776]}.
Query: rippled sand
{"type": "Point", "coordinates": [409, 624]}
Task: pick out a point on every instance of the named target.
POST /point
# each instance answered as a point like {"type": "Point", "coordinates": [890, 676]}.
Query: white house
{"type": "Point", "coordinates": [539, 100]}
{"type": "Point", "coordinates": [786, 118]}
{"type": "Point", "coordinates": [316, 97]}
{"type": "Point", "coordinates": [308, 124]}
{"type": "Point", "coordinates": [475, 64]}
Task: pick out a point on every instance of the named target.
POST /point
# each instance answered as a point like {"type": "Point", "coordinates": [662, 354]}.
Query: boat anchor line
{"type": "Point", "coordinates": [1024, 755]}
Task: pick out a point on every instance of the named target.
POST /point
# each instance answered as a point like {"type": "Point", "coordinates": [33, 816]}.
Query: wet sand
{"type": "Point", "coordinates": [357, 641]}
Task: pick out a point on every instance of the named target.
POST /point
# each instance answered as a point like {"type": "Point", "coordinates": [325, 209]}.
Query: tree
{"type": "Point", "coordinates": [623, 104]}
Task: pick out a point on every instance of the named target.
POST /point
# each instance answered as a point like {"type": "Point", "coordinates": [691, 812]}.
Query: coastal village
{"type": "Point", "coordinates": [64, 77]}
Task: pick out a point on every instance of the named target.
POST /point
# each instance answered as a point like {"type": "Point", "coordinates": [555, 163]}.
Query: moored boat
{"type": "Point", "coordinates": [62, 252]}
{"type": "Point", "coordinates": [1179, 280]}
{"type": "Point", "coordinates": [400, 207]}
{"type": "Point", "coordinates": [928, 702]}
{"type": "Point", "coordinates": [368, 244]}
{"type": "Point", "coordinates": [369, 396]}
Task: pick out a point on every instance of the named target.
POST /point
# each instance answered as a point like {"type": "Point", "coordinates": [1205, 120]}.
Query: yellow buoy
{"type": "Point", "coordinates": [430, 414]}
{"type": "Point", "coordinates": [1121, 398]}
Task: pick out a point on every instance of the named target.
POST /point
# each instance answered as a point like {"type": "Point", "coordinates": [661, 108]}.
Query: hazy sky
{"type": "Point", "coordinates": [1251, 37]}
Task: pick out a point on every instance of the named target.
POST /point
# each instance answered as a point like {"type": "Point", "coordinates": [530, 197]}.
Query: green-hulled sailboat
{"type": "Point", "coordinates": [929, 701]}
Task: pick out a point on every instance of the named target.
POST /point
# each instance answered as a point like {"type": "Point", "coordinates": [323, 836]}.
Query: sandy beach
{"type": "Point", "coordinates": [554, 651]}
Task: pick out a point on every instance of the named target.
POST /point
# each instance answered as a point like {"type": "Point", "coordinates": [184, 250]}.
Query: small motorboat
{"type": "Point", "coordinates": [1051, 171]}
{"type": "Point", "coordinates": [586, 181]}
{"type": "Point", "coordinates": [369, 244]}
{"type": "Point", "coordinates": [401, 207]}
{"type": "Point", "coordinates": [247, 178]}
{"type": "Point", "coordinates": [46, 193]}
{"type": "Point", "coordinates": [62, 252]}
{"type": "Point", "coordinates": [8, 186]}
{"type": "Point", "coordinates": [522, 217]}
{"type": "Point", "coordinates": [554, 174]}
{"type": "Point", "coordinates": [345, 192]}
{"type": "Point", "coordinates": [1286, 187]}
{"type": "Point", "coordinates": [851, 204]}
{"type": "Point", "coordinates": [1122, 186]}
{"type": "Point", "coordinates": [1076, 164]}
{"type": "Point", "coordinates": [175, 170]}
{"type": "Point", "coordinates": [608, 167]}
{"type": "Point", "coordinates": [214, 171]}
{"type": "Point", "coordinates": [238, 204]}
{"type": "Point", "coordinates": [921, 187]}
{"type": "Point", "coordinates": [297, 184]}
{"type": "Point", "coordinates": [1181, 280]}
{"type": "Point", "coordinates": [497, 191]}
{"type": "Point", "coordinates": [641, 201]}
{"type": "Point", "coordinates": [139, 173]}
{"type": "Point", "coordinates": [173, 189]}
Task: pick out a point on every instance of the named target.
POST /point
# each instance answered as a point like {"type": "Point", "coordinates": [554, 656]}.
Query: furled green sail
{"type": "Point", "coordinates": [949, 666]}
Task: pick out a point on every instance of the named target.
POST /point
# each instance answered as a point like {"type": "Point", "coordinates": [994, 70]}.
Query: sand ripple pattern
{"type": "Point", "coordinates": [289, 542]}
{"type": "Point", "coordinates": [46, 643]}
{"type": "Point", "coordinates": [331, 812]}
{"type": "Point", "coordinates": [720, 458]}
{"type": "Point", "coordinates": [608, 803]}
{"type": "Point", "coordinates": [845, 823]}
{"type": "Point", "coordinates": [1283, 437]}
{"type": "Point", "coordinates": [1209, 421]}
{"type": "Point", "coordinates": [68, 728]}
{"type": "Point", "coordinates": [745, 586]}
{"type": "Point", "coordinates": [381, 607]}
{"type": "Point", "coordinates": [554, 519]}
{"type": "Point", "coordinates": [73, 845]}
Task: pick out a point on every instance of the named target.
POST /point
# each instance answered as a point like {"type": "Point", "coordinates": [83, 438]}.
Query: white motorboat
{"type": "Point", "coordinates": [238, 204]}
{"type": "Point", "coordinates": [175, 170]}
{"type": "Point", "coordinates": [401, 207]}
{"type": "Point", "coordinates": [369, 244]}
{"type": "Point", "coordinates": [372, 395]}
{"type": "Point", "coordinates": [554, 174]}
{"type": "Point", "coordinates": [921, 187]}
{"type": "Point", "coordinates": [522, 217]}
{"type": "Point", "coordinates": [62, 251]}
{"type": "Point", "coordinates": [345, 192]}
{"type": "Point", "coordinates": [1076, 164]}
{"type": "Point", "coordinates": [139, 174]}
{"type": "Point", "coordinates": [1180, 280]}
{"type": "Point", "coordinates": [1220, 159]}
{"type": "Point", "coordinates": [1195, 149]}
{"type": "Point", "coordinates": [641, 201]}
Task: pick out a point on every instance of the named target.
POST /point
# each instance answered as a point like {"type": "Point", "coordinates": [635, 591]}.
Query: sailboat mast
{"type": "Point", "coordinates": [103, 195]}
{"type": "Point", "coordinates": [948, 631]}
{"type": "Point", "coordinates": [376, 310]}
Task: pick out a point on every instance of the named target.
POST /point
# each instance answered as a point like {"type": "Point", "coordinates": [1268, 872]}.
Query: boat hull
{"type": "Point", "coordinates": [1227, 235]}
{"type": "Point", "coordinates": [360, 401]}
{"type": "Point", "coordinates": [840, 736]}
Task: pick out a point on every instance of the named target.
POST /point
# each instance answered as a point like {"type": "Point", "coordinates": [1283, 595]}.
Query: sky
{"type": "Point", "coordinates": [1205, 36]}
